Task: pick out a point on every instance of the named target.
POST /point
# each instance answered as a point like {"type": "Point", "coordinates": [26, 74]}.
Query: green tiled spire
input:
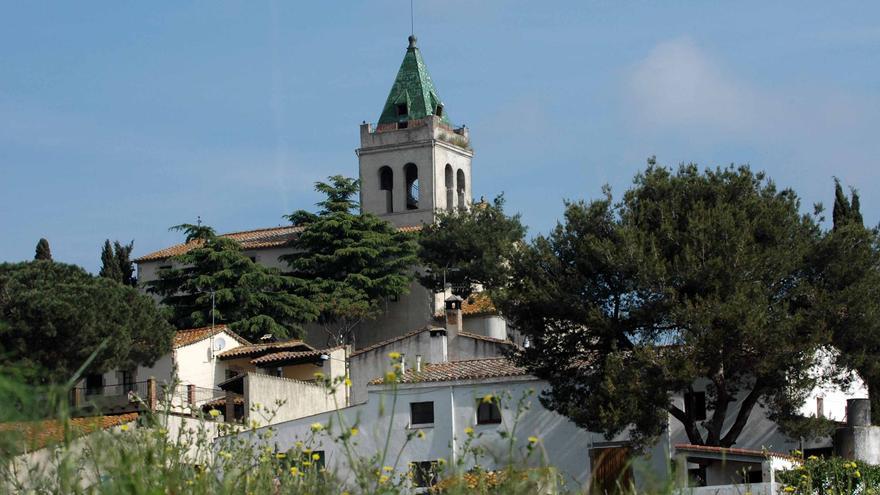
{"type": "Point", "coordinates": [413, 95]}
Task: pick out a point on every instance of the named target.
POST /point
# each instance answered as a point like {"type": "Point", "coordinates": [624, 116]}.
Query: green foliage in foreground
{"type": "Point", "coordinates": [832, 476]}
{"type": "Point", "coordinates": [53, 316]}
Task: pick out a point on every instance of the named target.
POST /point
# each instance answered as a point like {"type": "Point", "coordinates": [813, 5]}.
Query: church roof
{"type": "Point", "coordinates": [272, 237]}
{"type": "Point", "coordinates": [413, 90]}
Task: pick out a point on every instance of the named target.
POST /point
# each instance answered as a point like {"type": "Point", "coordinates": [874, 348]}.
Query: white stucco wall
{"type": "Point", "coordinates": [566, 446]}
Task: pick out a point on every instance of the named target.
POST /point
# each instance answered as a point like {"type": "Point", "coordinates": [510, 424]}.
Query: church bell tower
{"type": "Point", "coordinates": [414, 162]}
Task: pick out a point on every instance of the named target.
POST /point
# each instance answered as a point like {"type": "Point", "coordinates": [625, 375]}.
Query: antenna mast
{"type": "Point", "coordinates": [412, 21]}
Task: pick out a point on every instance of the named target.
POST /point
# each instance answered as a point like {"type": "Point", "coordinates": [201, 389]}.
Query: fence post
{"type": "Point", "coordinates": [77, 397]}
{"type": "Point", "coordinates": [152, 394]}
{"type": "Point", "coordinates": [191, 397]}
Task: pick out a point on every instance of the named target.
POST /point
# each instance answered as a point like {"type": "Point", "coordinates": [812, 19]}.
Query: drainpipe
{"type": "Point", "coordinates": [452, 421]}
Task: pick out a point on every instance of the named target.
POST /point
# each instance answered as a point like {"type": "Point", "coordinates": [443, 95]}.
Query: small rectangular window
{"type": "Point", "coordinates": [164, 267]}
{"type": "Point", "coordinates": [695, 404]}
{"type": "Point", "coordinates": [402, 109]}
{"type": "Point", "coordinates": [94, 384]}
{"type": "Point", "coordinates": [128, 381]}
{"type": "Point", "coordinates": [402, 125]}
{"type": "Point", "coordinates": [488, 413]}
{"type": "Point", "coordinates": [424, 473]}
{"type": "Point", "coordinates": [421, 413]}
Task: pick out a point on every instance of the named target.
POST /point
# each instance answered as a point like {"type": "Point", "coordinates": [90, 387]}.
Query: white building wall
{"type": "Point", "coordinates": [566, 446]}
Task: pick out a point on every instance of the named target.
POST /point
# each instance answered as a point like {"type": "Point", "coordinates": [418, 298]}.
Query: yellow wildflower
{"type": "Point", "coordinates": [812, 458]}
{"type": "Point", "coordinates": [857, 474]}
{"type": "Point", "coordinates": [299, 445]}
{"type": "Point", "coordinates": [420, 434]}
{"type": "Point", "coordinates": [390, 377]}
{"type": "Point", "coordinates": [354, 431]}
{"type": "Point", "coordinates": [307, 463]}
{"type": "Point", "coordinates": [383, 479]}
{"type": "Point", "coordinates": [347, 381]}
{"type": "Point", "coordinates": [533, 440]}
{"type": "Point", "coordinates": [124, 427]}
{"type": "Point", "coordinates": [387, 469]}
{"type": "Point", "coordinates": [319, 375]}
{"type": "Point", "coordinates": [316, 457]}
{"type": "Point", "coordinates": [394, 355]}
{"type": "Point", "coordinates": [280, 455]}
{"type": "Point", "coordinates": [469, 431]}
{"type": "Point", "coordinates": [214, 413]}
{"type": "Point", "coordinates": [487, 398]}
{"type": "Point", "coordinates": [294, 471]}
{"type": "Point", "coordinates": [788, 489]}
{"type": "Point", "coordinates": [441, 461]}
{"type": "Point", "coordinates": [316, 427]}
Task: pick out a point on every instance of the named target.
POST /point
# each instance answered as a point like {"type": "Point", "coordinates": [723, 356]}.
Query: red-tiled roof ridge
{"type": "Point", "coordinates": [190, 336]}
{"type": "Point", "coordinates": [246, 350]}
{"type": "Point", "coordinates": [284, 355]}
{"type": "Point", "coordinates": [469, 369]}
{"type": "Point", "coordinates": [249, 239]}
{"type": "Point", "coordinates": [734, 451]}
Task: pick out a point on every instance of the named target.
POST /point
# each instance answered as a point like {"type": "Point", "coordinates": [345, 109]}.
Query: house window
{"type": "Point", "coordinates": [424, 473]}
{"type": "Point", "coordinates": [752, 475]}
{"type": "Point", "coordinates": [820, 407]}
{"type": "Point", "coordinates": [421, 413]}
{"type": "Point", "coordinates": [94, 384]}
{"type": "Point", "coordinates": [450, 188]}
{"type": "Point", "coordinates": [488, 413]}
{"type": "Point", "coordinates": [697, 476]}
{"type": "Point", "coordinates": [127, 381]}
{"type": "Point", "coordinates": [164, 267]}
{"type": "Point", "coordinates": [439, 111]}
{"type": "Point", "coordinates": [695, 404]}
{"type": "Point", "coordinates": [402, 110]}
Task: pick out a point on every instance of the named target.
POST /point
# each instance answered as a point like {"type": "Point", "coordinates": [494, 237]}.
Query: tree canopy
{"type": "Point", "coordinates": [42, 251]}
{"type": "Point", "coordinates": [693, 277]}
{"type": "Point", "coordinates": [347, 263]}
{"type": "Point", "coordinates": [53, 316]}
{"type": "Point", "coordinates": [252, 299]}
{"type": "Point", "coordinates": [470, 248]}
{"type": "Point", "coordinates": [116, 262]}
{"type": "Point", "coordinates": [847, 269]}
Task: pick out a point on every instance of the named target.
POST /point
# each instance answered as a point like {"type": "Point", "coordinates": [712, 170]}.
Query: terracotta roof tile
{"type": "Point", "coordinates": [39, 434]}
{"type": "Point", "coordinates": [193, 335]}
{"type": "Point", "coordinates": [271, 237]}
{"type": "Point", "coordinates": [261, 349]}
{"type": "Point", "coordinates": [277, 357]}
{"type": "Point", "coordinates": [461, 370]}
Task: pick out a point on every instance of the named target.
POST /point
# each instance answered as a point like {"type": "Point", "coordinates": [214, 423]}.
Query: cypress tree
{"type": "Point", "coordinates": [109, 266]}
{"type": "Point", "coordinates": [43, 252]}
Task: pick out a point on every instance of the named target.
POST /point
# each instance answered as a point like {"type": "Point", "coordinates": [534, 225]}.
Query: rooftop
{"type": "Point", "coordinates": [39, 434]}
{"type": "Point", "coordinates": [272, 237]}
{"type": "Point", "coordinates": [258, 350]}
{"type": "Point", "coordinates": [192, 335]}
{"type": "Point", "coordinates": [474, 369]}
{"type": "Point", "coordinates": [730, 453]}
{"type": "Point", "coordinates": [413, 95]}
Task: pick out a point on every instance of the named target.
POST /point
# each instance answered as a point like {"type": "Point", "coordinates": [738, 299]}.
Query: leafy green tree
{"type": "Point", "coordinates": [43, 252]}
{"type": "Point", "coordinates": [116, 262]}
{"type": "Point", "coordinates": [347, 262]}
{"type": "Point", "coordinates": [470, 248]}
{"type": "Point", "coordinates": [847, 269]}
{"type": "Point", "coordinates": [252, 299]}
{"type": "Point", "coordinates": [693, 277]}
{"type": "Point", "coordinates": [54, 315]}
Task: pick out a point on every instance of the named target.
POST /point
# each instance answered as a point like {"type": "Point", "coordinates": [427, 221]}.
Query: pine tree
{"type": "Point", "coordinates": [43, 252]}
{"type": "Point", "coordinates": [347, 263]}
{"type": "Point", "coordinates": [109, 264]}
{"type": "Point", "coordinates": [53, 316]}
{"type": "Point", "coordinates": [692, 277]}
{"type": "Point", "coordinates": [253, 299]}
{"type": "Point", "coordinates": [470, 248]}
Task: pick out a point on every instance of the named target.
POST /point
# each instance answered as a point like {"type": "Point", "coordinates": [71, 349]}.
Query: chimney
{"type": "Point", "coordinates": [453, 324]}
{"type": "Point", "coordinates": [418, 363]}
{"type": "Point", "coordinates": [402, 362]}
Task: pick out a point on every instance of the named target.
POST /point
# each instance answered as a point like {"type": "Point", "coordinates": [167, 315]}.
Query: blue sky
{"type": "Point", "coordinates": [120, 119]}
